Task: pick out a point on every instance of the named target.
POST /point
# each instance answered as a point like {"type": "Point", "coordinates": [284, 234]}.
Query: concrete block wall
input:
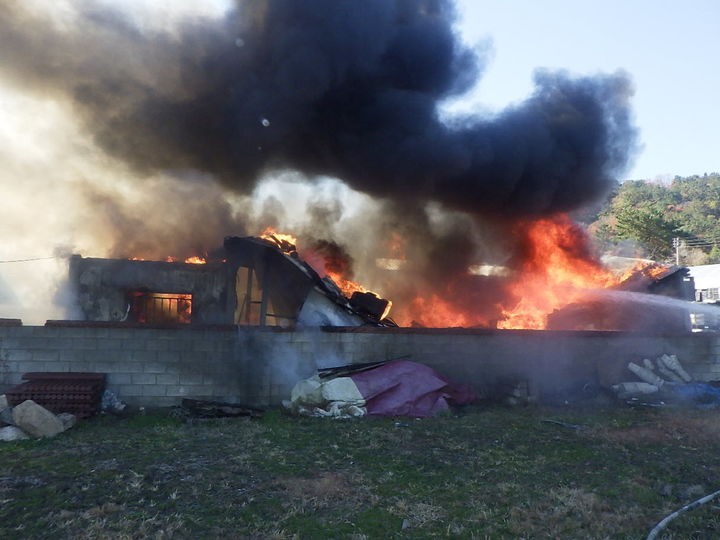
{"type": "Point", "coordinates": [143, 366]}
{"type": "Point", "coordinates": [553, 362]}
{"type": "Point", "coordinates": [158, 367]}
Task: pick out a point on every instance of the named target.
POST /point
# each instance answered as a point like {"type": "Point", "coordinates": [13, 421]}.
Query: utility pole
{"type": "Point", "coordinates": [676, 245]}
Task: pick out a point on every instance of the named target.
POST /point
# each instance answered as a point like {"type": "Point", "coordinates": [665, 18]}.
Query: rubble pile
{"type": "Point", "coordinates": [337, 398]}
{"type": "Point", "coordinates": [385, 388]}
{"type": "Point", "coordinates": [664, 380]}
{"type": "Point", "coordinates": [28, 419]}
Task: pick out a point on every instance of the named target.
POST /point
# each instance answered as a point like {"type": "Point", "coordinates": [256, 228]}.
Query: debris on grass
{"type": "Point", "coordinates": [670, 385]}
{"type": "Point", "coordinates": [563, 424]}
{"type": "Point", "coordinates": [396, 388]}
{"type": "Point", "coordinates": [197, 408]}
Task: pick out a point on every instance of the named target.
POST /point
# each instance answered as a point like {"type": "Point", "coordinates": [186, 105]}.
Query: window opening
{"type": "Point", "coordinates": [152, 307]}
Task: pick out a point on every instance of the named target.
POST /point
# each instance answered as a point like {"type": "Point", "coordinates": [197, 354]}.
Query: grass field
{"type": "Point", "coordinates": [487, 473]}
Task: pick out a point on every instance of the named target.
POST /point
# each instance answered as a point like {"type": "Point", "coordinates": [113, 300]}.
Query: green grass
{"type": "Point", "coordinates": [487, 473]}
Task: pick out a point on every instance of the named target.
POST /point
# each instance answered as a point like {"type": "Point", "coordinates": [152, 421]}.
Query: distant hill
{"type": "Point", "coordinates": [644, 217]}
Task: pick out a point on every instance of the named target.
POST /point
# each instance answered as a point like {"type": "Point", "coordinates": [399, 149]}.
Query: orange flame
{"type": "Point", "coordinates": [278, 238]}
{"type": "Point", "coordinates": [435, 312]}
{"type": "Point", "coordinates": [190, 260]}
{"type": "Point", "coordinates": [557, 271]}
{"type": "Point", "coordinates": [347, 286]}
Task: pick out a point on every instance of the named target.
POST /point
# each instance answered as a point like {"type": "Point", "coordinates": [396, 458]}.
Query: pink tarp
{"type": "Point", "coordinates": [403, 388]}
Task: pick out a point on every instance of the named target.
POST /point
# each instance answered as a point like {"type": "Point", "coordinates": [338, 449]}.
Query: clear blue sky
{"type": "Point", "coordinates": [671, 49]}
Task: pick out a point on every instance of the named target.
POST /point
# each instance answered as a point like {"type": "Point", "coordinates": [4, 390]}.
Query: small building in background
{"type": "Point", "coordinates": [707, 282]}
{"type": "Point", "coordinates": [707, 291]}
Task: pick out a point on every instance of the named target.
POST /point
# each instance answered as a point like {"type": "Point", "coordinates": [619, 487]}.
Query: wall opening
{"type": "Point", "coordinates": [259, 304]}
{"type": "Point", "coordinates": [160, 308]}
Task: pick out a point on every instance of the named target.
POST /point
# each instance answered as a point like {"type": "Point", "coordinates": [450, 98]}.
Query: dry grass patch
{"type": "Point", "coordinates": [682, 426]}
{"type": "Point", "coordinates": [417, 514]}
{"type": "Point", "coordinates": [326, 487]}
{"type": "Point", "coordinates": [576, 507]}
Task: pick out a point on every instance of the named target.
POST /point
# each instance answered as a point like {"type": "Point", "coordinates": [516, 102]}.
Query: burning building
{"type": "Point", "coordinates": [263, 281]}
{"type": "Point", "coordinates": [469, 219]}
{"type": "Point", "coordinates": [335, 89]}
{"type": "Point", "coordinates": [353, 91]}
{"type": "Point", "coordinates": [258, 282]}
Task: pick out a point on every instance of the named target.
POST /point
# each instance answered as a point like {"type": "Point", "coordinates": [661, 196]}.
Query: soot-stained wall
{"type": "Point", "coordinates": [258, 366]}
{"type": "Point", "coordinates": [103, 286]}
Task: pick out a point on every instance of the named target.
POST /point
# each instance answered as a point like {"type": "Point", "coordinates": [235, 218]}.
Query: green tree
{"type": "Point", "coordinates": [652, 214]}
{"type": "Point", "coordinates": [648, 227]}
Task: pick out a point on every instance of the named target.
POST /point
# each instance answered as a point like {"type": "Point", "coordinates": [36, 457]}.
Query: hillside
{"type": "Point", "coordinates": [642, 218]}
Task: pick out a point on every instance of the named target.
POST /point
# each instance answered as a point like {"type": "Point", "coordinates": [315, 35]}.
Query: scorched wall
{"type": "Point", "coordinates": [258, 366]}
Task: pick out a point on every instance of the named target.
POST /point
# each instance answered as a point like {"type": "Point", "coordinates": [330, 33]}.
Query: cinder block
{"type": "Point", "coordinates": [129, 390]}
{"type": "Point", "coordinates": [143, 378]}
{"type": "Point", "coordinates": [178, 344]}
{"type": "Point", "coordinates": [191, 378]}
{"type": "Point", "coordinates": [304, 337]}
{"type": "Point", "coordinates": [168, 357]}
{"type": "Point", "coordinates": [204, 345]}
{"type": "Point", "coordinates": [168, 378]}
{"type": "Point", "coordinates": [154, 367]}
{"type": "Point", "coordinates": [222, 391]}
{"type": "Point", "coordinates": [71, 355]}
{"type": "Point", "coordinates": [203, 391]}
{"type": "Point", "coordinates": [63, 343]}
{"type": "Point", "coordinates": [8, 367]}
{"type": "Point", "coordinates": [58, 367]}
{"type": "Point", "coordinates": [80, 365]}
{"type": "Point", "coordinates": [126, 333]}
{"type": "Point", "coordinates": [113, 356]}
{"type": "Point", "coordinates": [193, 357]}
{"type": "Point", "coordinates": [307, 347]}
{"type": "Point", "coordinates": [153, 390]}
{"type": "Point", "coordinates": [280, 337]}
{"type": "Point", "coordinates": [127, 367]}
{"type": "Point", "coordinates": [162, 401]}
{"type": "Point", "coordinates": [144, 356]}
{"type": "Point", "coordinates": [28, 367]}
{"type": "Point", "coordinates": [18, 355]}
{"type": "Point", "coordinates": [75, 331]}
{"type": "Point", "coordinates": [85, 343]}
{"type": "Point", "coordinates": [13, 343]}
{"type": "Point", "coordinates": [110, 344]}
{"type": "Point", "coordinates": [156, 345]}
{"type": "Point", "coordinates": [179, 391]}
{"type": "Point", "coordinates": [132, 344]}
{"type": "Point", "coordinates": [92, 358]}
{"type": "Point", "coordinates": [119, 378]}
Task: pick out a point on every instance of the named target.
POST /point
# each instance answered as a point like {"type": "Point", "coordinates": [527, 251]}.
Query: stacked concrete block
{"type": "Point", "coordinates": [158, 367]}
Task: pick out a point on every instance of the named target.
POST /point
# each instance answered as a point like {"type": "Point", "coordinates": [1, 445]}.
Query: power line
{"type": "Point", "coordinates": [28, 260]}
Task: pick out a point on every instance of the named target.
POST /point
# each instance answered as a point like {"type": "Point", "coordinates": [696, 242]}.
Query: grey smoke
{"type": "Point", "coordinates": [342, 88]}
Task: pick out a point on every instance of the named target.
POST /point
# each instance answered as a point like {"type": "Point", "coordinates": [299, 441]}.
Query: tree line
{"type": "Point", "coordinates": [644, 218]}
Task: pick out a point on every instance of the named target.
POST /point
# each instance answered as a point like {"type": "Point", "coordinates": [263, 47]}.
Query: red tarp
{"type": "Point", "coordinates": [410, 389]}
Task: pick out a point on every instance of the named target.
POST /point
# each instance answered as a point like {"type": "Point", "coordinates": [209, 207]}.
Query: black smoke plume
{"type": "Point", "coordinates": [342, 88]}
